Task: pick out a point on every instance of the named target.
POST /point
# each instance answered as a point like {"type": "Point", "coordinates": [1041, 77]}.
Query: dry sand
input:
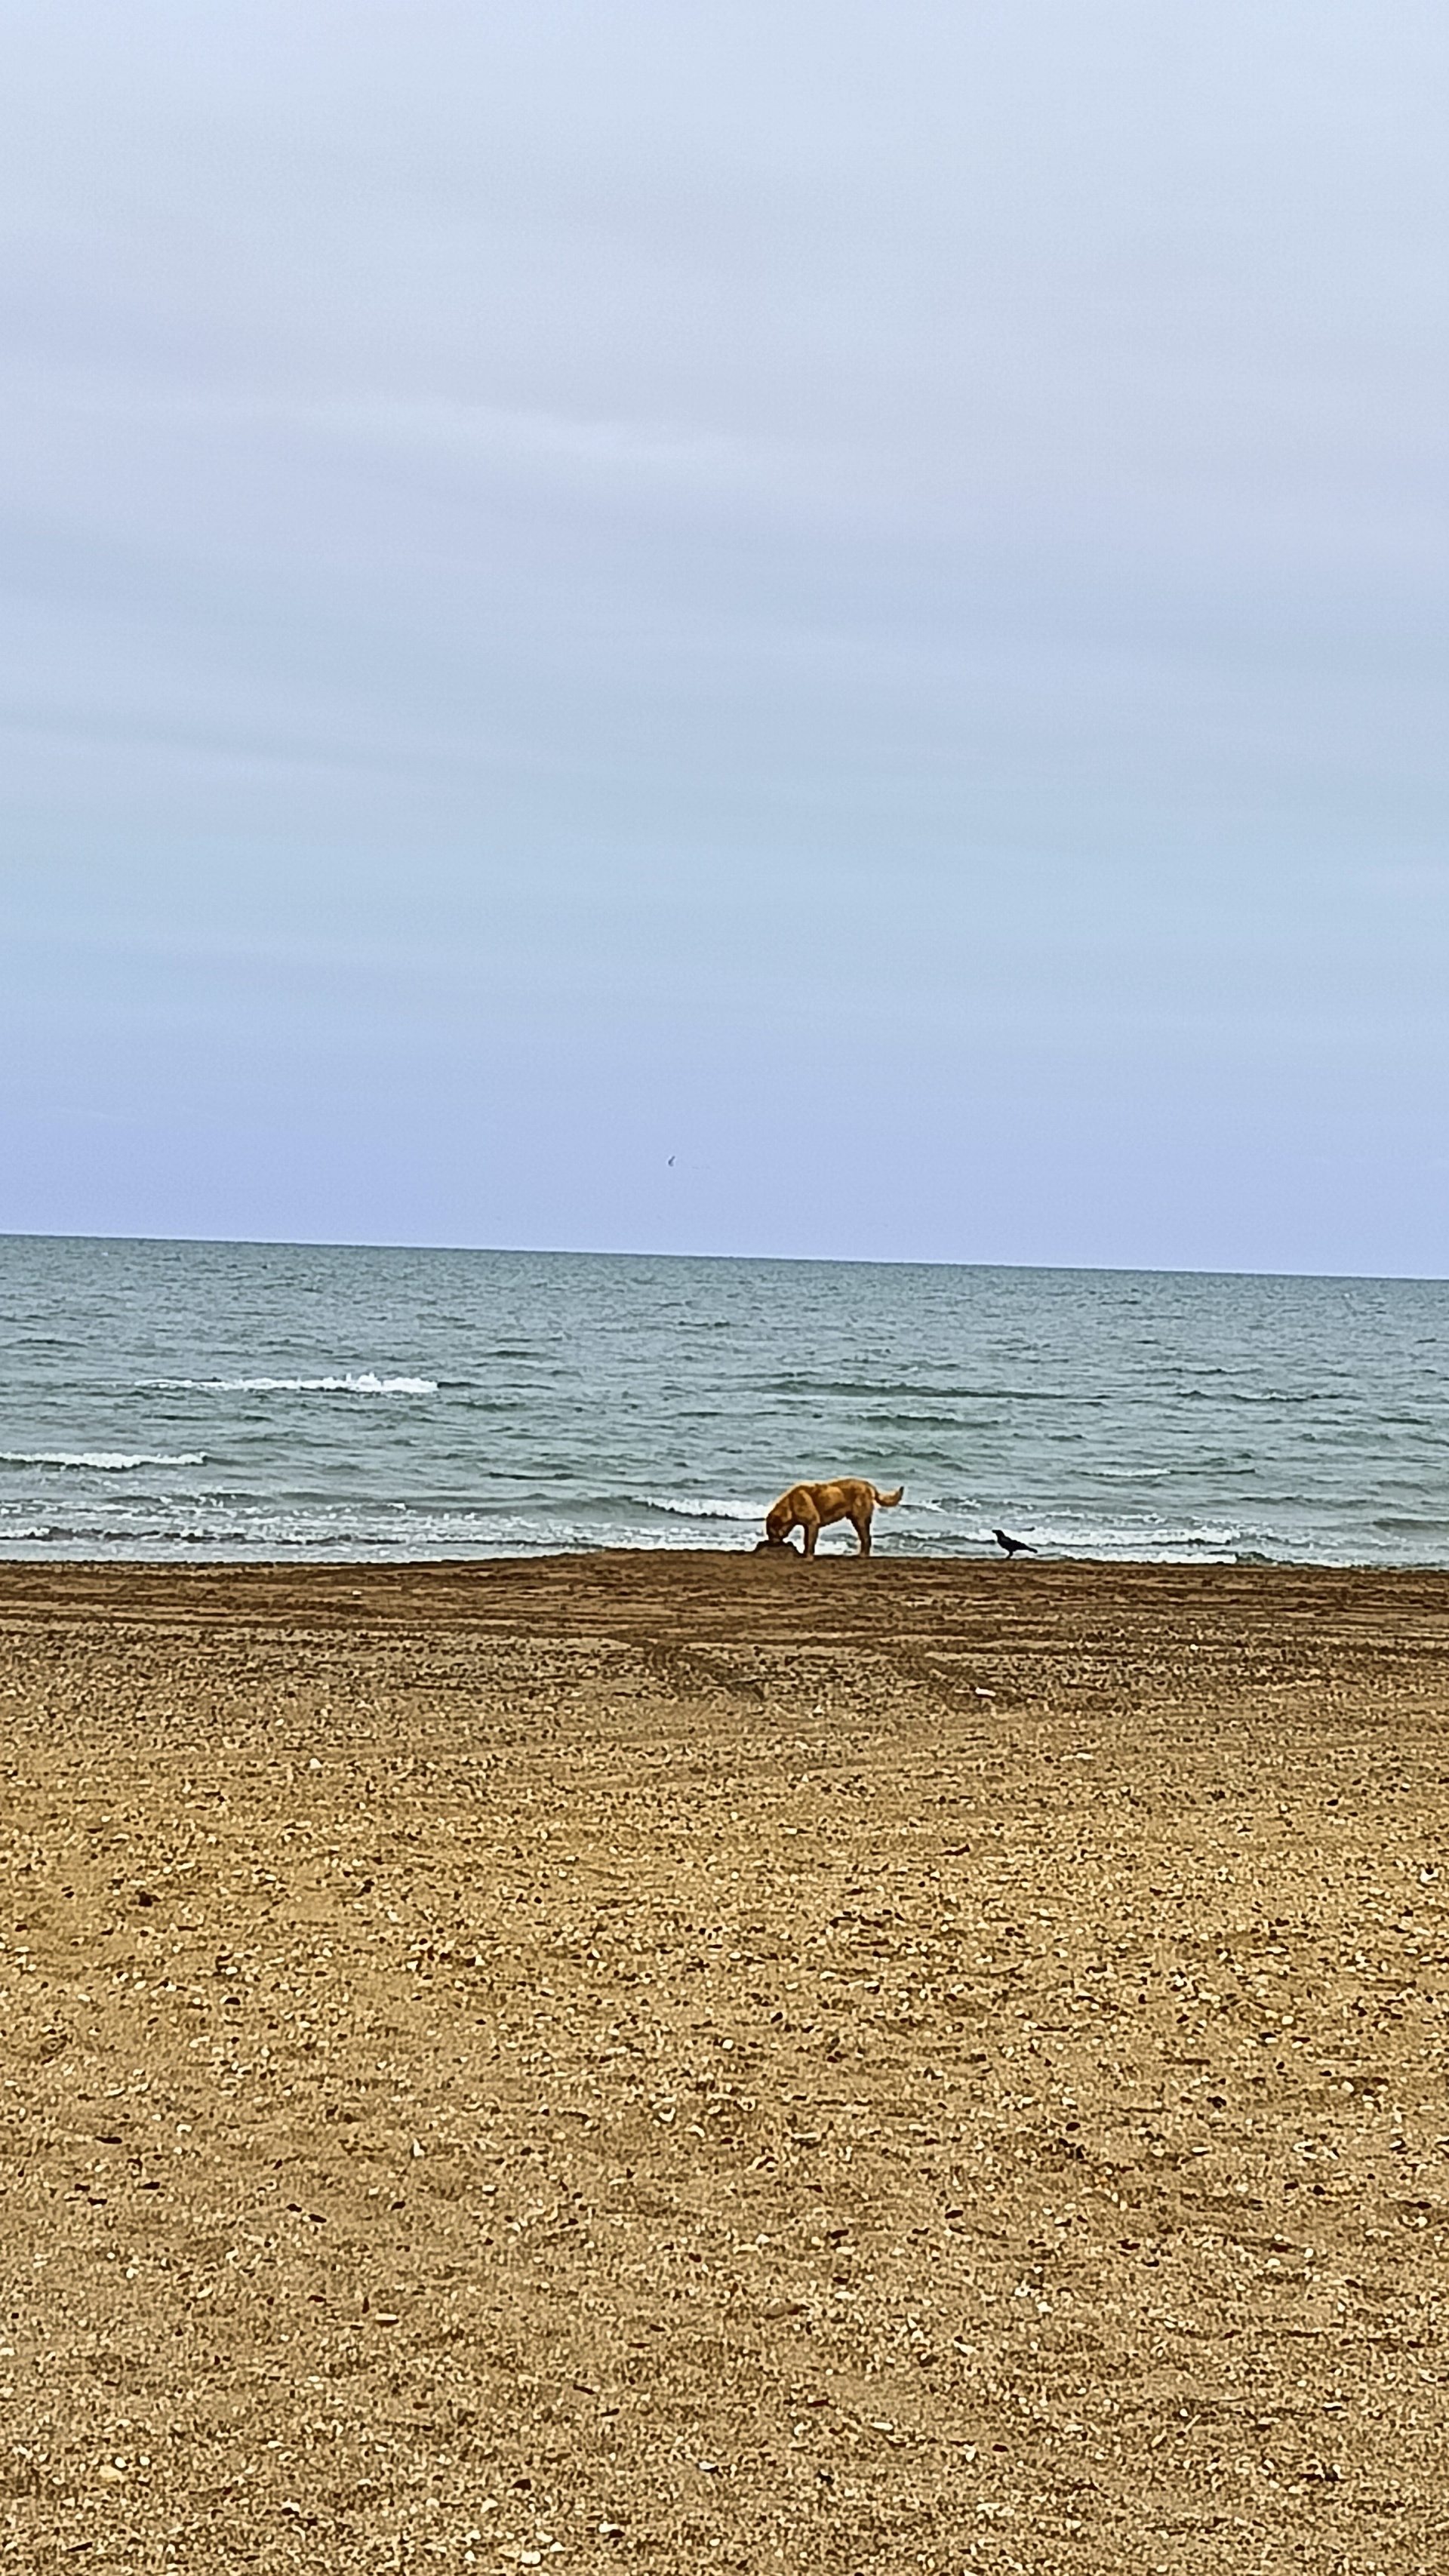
{"type": "Point", "coordinates": [703, 2062]}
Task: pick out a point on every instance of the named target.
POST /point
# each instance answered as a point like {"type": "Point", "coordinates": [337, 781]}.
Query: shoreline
{"type": "Point", "coordinates": [764, 1596]}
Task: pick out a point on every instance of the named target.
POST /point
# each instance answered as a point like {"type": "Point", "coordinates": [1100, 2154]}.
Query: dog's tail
{"type": "Point", "coordinates": [887, 1501]}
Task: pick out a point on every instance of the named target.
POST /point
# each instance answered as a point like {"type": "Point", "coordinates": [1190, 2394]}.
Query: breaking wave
{"type": "Point", "coordinates": [103, 1461]}
{"type": "Point", "coordinates": [354, 1382]}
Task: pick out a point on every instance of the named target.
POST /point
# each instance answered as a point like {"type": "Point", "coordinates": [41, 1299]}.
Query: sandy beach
{"type": "Point", "coordinates": [681, 2059]}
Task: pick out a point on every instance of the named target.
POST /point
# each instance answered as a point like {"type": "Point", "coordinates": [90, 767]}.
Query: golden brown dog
{"type": "Point", "coordinates": [813, 1507]}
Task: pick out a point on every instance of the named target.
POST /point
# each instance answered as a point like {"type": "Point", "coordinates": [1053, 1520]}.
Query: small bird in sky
{"type": "Point", "coordinates": [671, 1162]}
{"type": "Point", "coordinates": [1013, 1546]}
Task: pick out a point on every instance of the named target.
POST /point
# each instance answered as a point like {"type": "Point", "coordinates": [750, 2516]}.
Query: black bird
{"type": "Point", "coordinates": [1013, 1546]}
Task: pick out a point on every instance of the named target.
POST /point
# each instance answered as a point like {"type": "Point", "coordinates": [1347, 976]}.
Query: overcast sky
{"type": "Point", "coordinates": [698, 626]}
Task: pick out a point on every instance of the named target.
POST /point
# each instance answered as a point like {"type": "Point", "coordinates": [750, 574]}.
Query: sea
{"type": "Point", "coordinates": [203, 1401]}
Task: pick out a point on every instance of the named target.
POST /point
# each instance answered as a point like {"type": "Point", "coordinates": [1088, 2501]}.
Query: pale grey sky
{"type": "Point", "coordinates": [852, 596]}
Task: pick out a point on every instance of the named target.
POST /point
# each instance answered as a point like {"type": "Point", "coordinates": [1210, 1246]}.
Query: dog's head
{"type": "Point", "coordinates": [778, 1522]}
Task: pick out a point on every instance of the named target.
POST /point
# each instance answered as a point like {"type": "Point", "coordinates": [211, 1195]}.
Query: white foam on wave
{"type": "Point", "coordinates": [1162, 1544]}
{"type": "Point", "coordinates": [717, 1507]}
{"type": "Point", "coordinates": [354, 1382]}
{"type": "Point", "coordinates": [107, 1461]}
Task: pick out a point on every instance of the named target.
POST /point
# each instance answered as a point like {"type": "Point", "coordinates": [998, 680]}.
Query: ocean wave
{"type": "Point", "coordinates": [887, 1391]}
{"type": "Point", "coordinates": [354, 1382]}
{"type": "Point", "coordinates": [1161, 1545]}
{"type": "Point", "coordinates": [717, 1507]}
{"type": "Point", "coordinates": [106, 1461]}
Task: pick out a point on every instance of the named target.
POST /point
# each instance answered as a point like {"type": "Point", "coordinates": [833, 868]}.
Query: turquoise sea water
{"type": "Point", "coordinates": [175, 1400]}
